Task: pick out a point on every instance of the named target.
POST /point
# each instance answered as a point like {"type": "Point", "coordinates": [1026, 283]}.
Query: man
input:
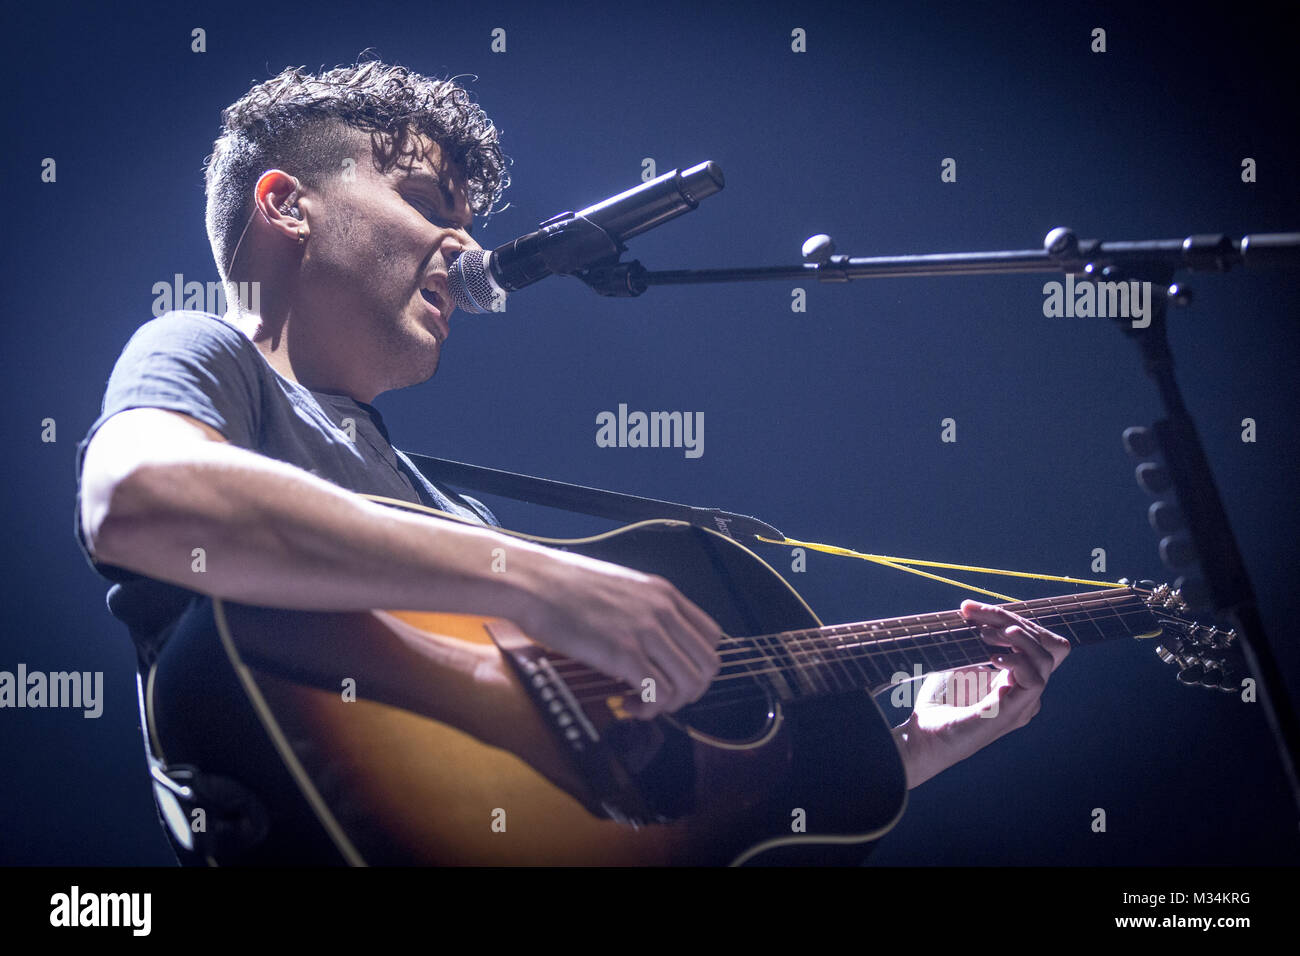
{"type": "Point", "coordinates": [342, 198]}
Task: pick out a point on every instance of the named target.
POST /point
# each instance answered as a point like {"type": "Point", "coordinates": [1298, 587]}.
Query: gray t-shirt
{"type": "Point", "coordinates": [199, 364]}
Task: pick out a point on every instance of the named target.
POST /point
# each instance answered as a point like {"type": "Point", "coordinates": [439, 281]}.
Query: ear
{"type": "Point", "coordinates": [273, 196]}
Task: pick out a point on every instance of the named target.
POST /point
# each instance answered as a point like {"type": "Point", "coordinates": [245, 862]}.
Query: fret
{"type": "Point", "coordinates": [807, 659]}
{"type": "Point", "coordinates": [1141, 613]}
{"type": "Point", "coordinates": [890, 649]}
{"type": "Point", "coordinates": [804, 671]}
{"type": "Point", "coordinates": [1089, 619]}
{"type": "Point", "coordinates": [831, 665]}
{"type": "Point", "coordinates": [1070, 619]}
{"type": "Point", "coordinates": [973, 649]}
{"type": "Point", "coordinates": [945, 651]}
{"type": "Point", "coordinates": [849, 674]}
{"type": "Point", "coordinates": [906, 648]}
{"type": "Point", "coordinates": [868, 654]}
{"type": "Point", "coordinates": [1082, 630]}
{"type": "Point", "coordinates": [829, 668]}
{"type": "Point", "coordinates": [963, 646]}
{"type": "Point", "coordinates": [855, 646]}
{"type": "Point", "coordinates": [772, 669]}
{"type": "Point", "coordinates": [817, 657]}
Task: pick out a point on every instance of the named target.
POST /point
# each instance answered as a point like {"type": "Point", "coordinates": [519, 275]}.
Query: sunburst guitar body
{"type": "Point", "coordinates": [510, 754]}
{"type": "Point", "coordinates": [545, 767]}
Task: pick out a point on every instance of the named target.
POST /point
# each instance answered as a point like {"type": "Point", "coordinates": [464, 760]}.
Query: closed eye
{"type": "Point", "coordinates": [425, 210]}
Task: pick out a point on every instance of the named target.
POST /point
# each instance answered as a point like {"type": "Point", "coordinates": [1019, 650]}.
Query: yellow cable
{"type": "Point", "coordinates": [936, 577]}
{"type": "Point", "coordinates": [901, 564]}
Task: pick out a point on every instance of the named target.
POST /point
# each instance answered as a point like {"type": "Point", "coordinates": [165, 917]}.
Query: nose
{"type": "Point", "coordinates": [457, 241]}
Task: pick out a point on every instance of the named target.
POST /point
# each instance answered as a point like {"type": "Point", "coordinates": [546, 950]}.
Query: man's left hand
{"type": "Point", "coordinates": [959, 712]}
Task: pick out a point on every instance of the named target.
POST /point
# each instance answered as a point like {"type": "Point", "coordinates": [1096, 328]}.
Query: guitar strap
{"type": "Point", "coordinates": [620, 506]}
{"type": "Point", "coordinates": [615, 505]}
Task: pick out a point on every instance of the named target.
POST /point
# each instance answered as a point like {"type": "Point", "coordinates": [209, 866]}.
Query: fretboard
{"type": "Point", "coordinates": [869, 654]}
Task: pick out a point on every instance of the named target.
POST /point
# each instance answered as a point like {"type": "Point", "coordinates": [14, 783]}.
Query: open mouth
{"type": "Point", "coordinates": [440, 322]}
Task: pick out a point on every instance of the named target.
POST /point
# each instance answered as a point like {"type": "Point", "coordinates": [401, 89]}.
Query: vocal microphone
{"type": "Point", "coordinates": [573, 242]}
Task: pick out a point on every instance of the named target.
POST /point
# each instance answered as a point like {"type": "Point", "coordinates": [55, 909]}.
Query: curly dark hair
{"type": "Point", "coordinates": [296, 121]}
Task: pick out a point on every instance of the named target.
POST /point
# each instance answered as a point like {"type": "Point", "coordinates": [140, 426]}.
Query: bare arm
{"type": "Point", "coordinates": [158, 484]}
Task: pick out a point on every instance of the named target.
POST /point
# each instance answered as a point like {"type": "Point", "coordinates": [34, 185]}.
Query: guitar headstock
{"type": "Point", "coordinates": [1205, 656]}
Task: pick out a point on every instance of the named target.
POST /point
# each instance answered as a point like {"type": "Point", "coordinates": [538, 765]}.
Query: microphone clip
{"type": "Point", "coordinates": [621, 280]}
{"type": "Point", "coordinates": [569, 244]}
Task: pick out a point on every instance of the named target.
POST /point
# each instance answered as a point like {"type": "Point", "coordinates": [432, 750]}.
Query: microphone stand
{"type": "Point", "coordinates": [1197, 529]}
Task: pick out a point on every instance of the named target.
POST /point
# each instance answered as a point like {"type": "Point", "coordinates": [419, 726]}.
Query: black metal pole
{"type": "Point", "coordinates": [1155, 261]}
{"type": "Point", "coordinates": [1199, 253]}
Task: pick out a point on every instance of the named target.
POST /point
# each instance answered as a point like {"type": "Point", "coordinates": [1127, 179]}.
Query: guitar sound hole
{"type": "Point", "coordinates": [726, 714]}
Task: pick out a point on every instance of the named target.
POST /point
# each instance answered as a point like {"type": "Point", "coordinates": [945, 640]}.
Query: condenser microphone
{"type": "Point", "coordinates": [573, 242]}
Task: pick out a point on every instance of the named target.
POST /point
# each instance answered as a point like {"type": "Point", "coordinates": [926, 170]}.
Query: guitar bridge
{"type": "Point", "coordinates": [622, 760]}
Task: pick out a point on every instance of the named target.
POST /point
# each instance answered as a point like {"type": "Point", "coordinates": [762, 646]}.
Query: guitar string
{"type": "Point", "coordinates": [1079, 614]}
{"type": "Point", "coordinates": [878, 634]}
{"type": "Point", "coordinates": [597, 687]}
{"type": "Point", "coordinates": [937, 642]}
{"type": "Point", "coordinates": [1083, 603]}
{"type": "Point", "coordinates": [880, 629]}
{"type": "Point", "coordinates": [725, 693]}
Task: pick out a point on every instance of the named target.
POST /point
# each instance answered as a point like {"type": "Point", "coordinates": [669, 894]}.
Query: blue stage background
{"type": "Point", "coordinates": [825, 423]}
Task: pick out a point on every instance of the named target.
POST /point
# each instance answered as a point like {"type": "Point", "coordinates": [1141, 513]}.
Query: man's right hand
{"type": "Point", "coordinates": [630, 626]}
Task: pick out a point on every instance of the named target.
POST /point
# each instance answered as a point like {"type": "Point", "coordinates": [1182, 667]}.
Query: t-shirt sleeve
{"type": "Point", "coordinates": [188, 362]}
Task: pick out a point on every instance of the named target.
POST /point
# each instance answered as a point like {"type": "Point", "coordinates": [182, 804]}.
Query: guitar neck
{"type": "Point", "coordinates": [871, 654]}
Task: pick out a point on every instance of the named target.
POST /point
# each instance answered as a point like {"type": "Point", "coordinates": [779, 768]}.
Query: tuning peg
{"type": "Point", "coordinates": [1176, 551]}
{"type": "Point", "coordinates": [1169, 649]}
{"type": "Point", "coordinates": [1220, 677]}
{"type": "Point", "coordinates": [1220, 640]}
{"type": "Point", "coordinates": [1165, 518]}
{"type": "Point", "coordinates": [1230, 681]}
{"type": "Point", "coordinates": [1153, 478]}
{"type": "Point", "coordinates": [1225, 679]}
{"type": "Point", "coordinates": [1192, 674]}
{"type": "Point", "coordinates": [1140, 442]}
{"type": "Point", "coordinates": [1203, 636]}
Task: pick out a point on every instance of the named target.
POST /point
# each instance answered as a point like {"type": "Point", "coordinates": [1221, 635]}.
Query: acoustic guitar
{"type": "Point", "coordinates": [786, 759]}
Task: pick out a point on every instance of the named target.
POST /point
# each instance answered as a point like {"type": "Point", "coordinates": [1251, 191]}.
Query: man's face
{"type": "Point", "coordinates": [378, 243]}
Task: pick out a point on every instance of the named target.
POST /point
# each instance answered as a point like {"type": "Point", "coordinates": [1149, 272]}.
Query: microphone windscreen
{"type": "Point", "coordinates": [471, 284]}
